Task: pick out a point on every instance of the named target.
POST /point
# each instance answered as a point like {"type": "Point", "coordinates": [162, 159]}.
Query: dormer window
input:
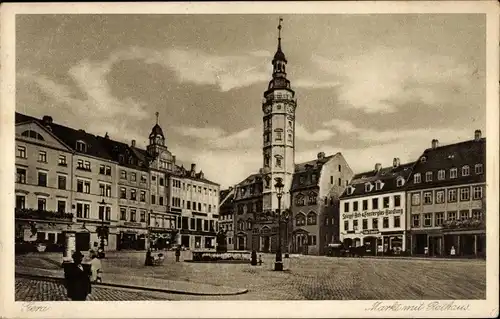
{"type": "Point", "coordinates": [81, 146]}
{"type": "Point", "coordinates": [368, 187]}
{"type": "Point", "coordinates": [428, 176]}
{"type": "Point", "coordinates": [378, 185]}
{"type": "Point", "coordinates": [453, 173]}
{"type": "Point", "coordinates": [417, 178]}
{"type": "Point", "coordinates": [465, 170]}
{"type": "Point", "coordinates": [350, 190]}
{"type": "Point", "coordinates": [423, 159]}
{"type": "Point", "coordinates": [478, 168]}
{"type": "Point", "coordinates": [441, 174]}
{"type": "Point", "coordinates": [400, 181]}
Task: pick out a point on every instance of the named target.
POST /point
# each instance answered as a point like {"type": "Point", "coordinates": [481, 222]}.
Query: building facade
{"type": "Point", "coordinates": [226, 215]}
{"type": "Point", "coordinates": [373, 210]}
{"type": "Point", "coordinates": [106, 191]}
{"type": "Point", "coordinates": [446, 200]}
{"type": "Point", "coordinates": [316, 188]}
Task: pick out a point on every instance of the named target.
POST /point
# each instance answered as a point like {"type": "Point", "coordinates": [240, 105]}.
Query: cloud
{"type": "Point", "coordinates": [200, 132]}
{"type": "Point", "coordinates": [447, 135]}
{"type": "Point", "coordinates": [320, 135]}
{"type": "Point", "coordinates": [226, 167]}
{"type": "Point", "coordinates": [99, 109]}
{"type": "Point", "coordinates": [217, 138]}
{"type": "Point", "coordinates": [384, 78]}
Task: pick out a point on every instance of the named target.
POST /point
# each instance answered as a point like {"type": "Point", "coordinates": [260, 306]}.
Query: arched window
{"type": "Point", "coordinates": [300, 200]}
{"type": "Point", "coordinates": [249, 224]}
{"type": "Point", "coordinates": [311, 218]}
{"type": "Point", "coordinates": [300, 219]}
{"type": "Point", "coordinates": [32, 134]}
{"type": "Point", "coordinates": [241, 225]}
{"type": "Point", "coordinates": [312, 199]}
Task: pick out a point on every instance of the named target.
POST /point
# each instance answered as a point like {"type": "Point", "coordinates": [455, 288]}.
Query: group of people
{"type": "Point", "coordinates": [79, 276]}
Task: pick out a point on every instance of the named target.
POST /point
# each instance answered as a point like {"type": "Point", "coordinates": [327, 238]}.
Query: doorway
{"type": "Point", "coordinates": [266, 243]}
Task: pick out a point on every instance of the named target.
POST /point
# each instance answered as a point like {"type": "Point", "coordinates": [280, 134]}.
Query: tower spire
{"type": "Point", "coordinates": [157, 114]}
{"type": "Point", "coordinates": [279, 32]}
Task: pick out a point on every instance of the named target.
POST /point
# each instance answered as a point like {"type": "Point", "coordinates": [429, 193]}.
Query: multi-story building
{"type": "Point", "coordinates": [316, 188]}
{"type": "Point", "coordinates": [199, 201]}
{"type": "Point", "coordinates": [226, 215]}
{"type": "Point", "coordinates": [69, 179]}
{"type": "Point", "coordinates": [446, 199]}
{"type": "Point", "coordinates": [44, 179]}
{"type": "Point", "coordinates": [373, 209]}
{"type": "Point", "coordinates": [252, 227]}
{"type": "Point", "coordinates": [256, 202]}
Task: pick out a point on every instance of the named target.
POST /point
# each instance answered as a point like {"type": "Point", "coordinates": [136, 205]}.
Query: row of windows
{"type": "Point", "coordinates": [132, 215]}
{"type": "Point", "coordinates": [41, 203]}
{"type": "Point", "coordinates": [453, 173]}
{"type": "Point", "coordinates": [396, 222]}
{"type": "Point", "coordinates": [439, 198]}
{"type": "Point", "coordinates": [375, 203]}
{"type": "Point", "coordinates": [306, 240]}
{"type": "Point", "coordinates": [436, 219]}
{"type": "Point", "coordinates": [133, 177]}
{"type": "Point", "coordinates": [339, 180]}
{"type": "Point", "coordinates": [300, 219]}
{"type": "Point", "coordinates": [42, 156]}
{"type": "Point", "coordinates": [133, 195]}
{"type": "Point", "coordinates": [278, 136]}
{"type": "Point", "coordinates": [249, 208]}
{"type": "Point", "coordinates": [194, 188]}
{"type": "Point", "coordinates": [198, 224]}
{"type": "Point", "coordinates": [300, 200]}
{"type": "Point", "coordinates": [252, 189]}
{"type": "Point", "coordinates": [163, 221]}
{"type": "Point", "coordinates": [227, 227]}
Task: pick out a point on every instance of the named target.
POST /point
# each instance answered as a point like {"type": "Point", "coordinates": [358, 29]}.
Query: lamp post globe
{"type": "Point", "coordinates": [278, 265]}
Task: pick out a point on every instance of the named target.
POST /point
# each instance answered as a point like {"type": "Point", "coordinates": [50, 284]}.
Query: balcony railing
{"type": "Point", "coordinates": [29, 213]}
{"type": "Point", "coordinates": [467, 223]}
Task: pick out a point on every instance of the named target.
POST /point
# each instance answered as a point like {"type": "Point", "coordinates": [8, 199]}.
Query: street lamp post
{"type": "Point", "coordinates": [102, 232]}
{"type": "Point", "coordinates": [278, 265]}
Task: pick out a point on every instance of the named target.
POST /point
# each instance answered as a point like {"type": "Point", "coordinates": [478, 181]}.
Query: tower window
{"type": "Point", "coordinates": [278, 136]}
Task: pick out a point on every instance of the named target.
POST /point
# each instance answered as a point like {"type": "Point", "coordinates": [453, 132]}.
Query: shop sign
{"type": "Point", "coordinates": [377, 213]}
{"type": "Point", "coordinates": [132, 224]}
{"type": "Point", "coordinates": [370, 231]}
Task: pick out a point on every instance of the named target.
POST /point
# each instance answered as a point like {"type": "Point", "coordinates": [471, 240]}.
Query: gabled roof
{"type": "Point", "coordinates": [302, 177]}
{"type": "Point", "coordinates": [46, 130]}
{"type": "Point", "coordinates": [445, 157]}
{"type": "Point", "coordinates": [387, 175]}
{"type": "Point", "coordinates": [253, 180]}
{"type": "Point", "coordinates": [97, 146]}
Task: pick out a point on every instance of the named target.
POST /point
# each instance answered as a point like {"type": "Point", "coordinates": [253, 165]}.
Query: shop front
{"type": "Point", "coordinates": [131, 239]}
{"type": "Point", "coordinates": [162, 238]}
{"type": "Point", "coordinates": [393, 242]}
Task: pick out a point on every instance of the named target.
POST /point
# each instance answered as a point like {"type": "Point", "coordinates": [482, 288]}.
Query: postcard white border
{"type": "Point", "coordinates": [240, 309]}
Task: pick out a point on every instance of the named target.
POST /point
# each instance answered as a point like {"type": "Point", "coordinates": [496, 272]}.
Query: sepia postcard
{"type": "Point", "coordinates": [250, 159]}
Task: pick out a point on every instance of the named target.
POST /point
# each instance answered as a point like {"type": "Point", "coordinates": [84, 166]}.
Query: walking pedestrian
{"type": "Point", "coordinates": [95, 267]}
{"type": "Point", "coordinates": [177, 253]}
{"type": "Point", "coordinates": [77, 278]}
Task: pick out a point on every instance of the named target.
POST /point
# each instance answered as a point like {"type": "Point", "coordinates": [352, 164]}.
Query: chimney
{"type": "Point", "coordinates": [477, 135]}
{"type": "Point", "coordinates": [261, 170]}
{"type": "Point", "coordinates": [173, 159]}
{"type": "Point", "coordinates": [106, 136]}
{"type": "Point", "coordinates": [193, 167]}
{"type": "Point", "coordinates": [47, 120]}
{"type": "Point", "coordinates": [435, 143]}
{"type": "Point", "coordinates": [378, 166]}
{"type": "Point", "coordinates": [321, 155]}
{"type": "Point", "coordinates": [396, 162]}
{"type": "Point", "coordinates": [133, 143]}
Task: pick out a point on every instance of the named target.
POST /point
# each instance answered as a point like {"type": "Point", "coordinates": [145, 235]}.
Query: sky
{"type": "Point", "coordinates": [372, 87]}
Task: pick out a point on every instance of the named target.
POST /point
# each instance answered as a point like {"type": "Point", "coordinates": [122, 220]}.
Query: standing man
{"type": "Point", "coordinates": [77, 278]}
{"type": "Point", "coordinates": [177, 253]}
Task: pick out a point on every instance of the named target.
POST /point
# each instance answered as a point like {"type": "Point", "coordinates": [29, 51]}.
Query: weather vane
{"type": "Point", "coordinates": [157, 114]}
{"type": "Point", "coordinates": [279, 27]}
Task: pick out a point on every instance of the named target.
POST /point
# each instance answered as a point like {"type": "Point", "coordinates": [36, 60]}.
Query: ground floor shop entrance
{"type": "Point", "coordinates": [449, 244]}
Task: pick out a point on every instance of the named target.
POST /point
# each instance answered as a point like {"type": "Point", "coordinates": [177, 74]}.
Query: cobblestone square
{"type": "Point", "coordinates": [307, 278]}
